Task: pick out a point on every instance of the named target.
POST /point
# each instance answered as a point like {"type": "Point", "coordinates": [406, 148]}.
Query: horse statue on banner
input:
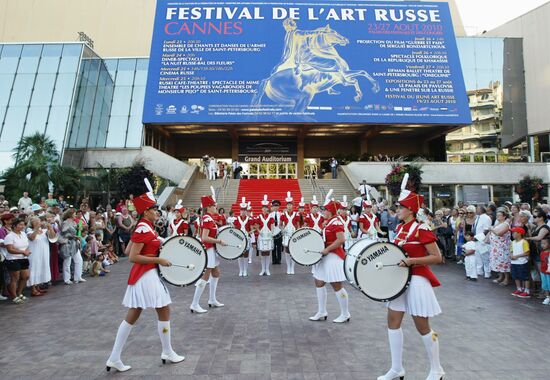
{"type": "Point", "coordinates": [310, 65]}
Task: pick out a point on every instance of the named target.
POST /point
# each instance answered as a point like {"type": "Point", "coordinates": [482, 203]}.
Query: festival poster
{"type": "Point", "coordinates": [298, 62]}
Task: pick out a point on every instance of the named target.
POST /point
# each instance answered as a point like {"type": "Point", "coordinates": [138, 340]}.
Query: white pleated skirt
{"type": "Point", "coordinates": [213, 258]}
{"type": "Point", "coordinates": [418, 300]}
{"type": "Point", "coordinates": [329, 269]}
{"type": "Point", "coordinates": [148, 292]}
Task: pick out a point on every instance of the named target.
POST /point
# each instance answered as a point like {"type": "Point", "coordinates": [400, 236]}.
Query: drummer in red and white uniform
{"type": "Point", "coordinates": [265, 242]}
{"type": "Point", "coordinates": [243, 223]}
{"type": "Point", "coordinates": [419, 299]}
{"type": "Point", "coordinates": [209, 233]}
{"type": "Point", "coordinates": [251, 235]}
{"type": "Point", "coordinates": [179, 226]}
{"type": "Point", "coordinates": [289, 224]}
{"type": "Point", "coordinates": [331, 267]}
{"type": "Point", "coordinates": [145, 289]}
{"type": "Point", "coordinates": [369, 224]}
{"type": "Point", "coordinates": [343, 214]}
{"type": "Point", "coordinates": [303, 215]}
{"type": "Point", "coordinates": [315, 219]}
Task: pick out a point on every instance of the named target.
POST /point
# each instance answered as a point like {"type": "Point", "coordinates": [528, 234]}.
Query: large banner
{"type": "Point", "coordinates": [297, 61]}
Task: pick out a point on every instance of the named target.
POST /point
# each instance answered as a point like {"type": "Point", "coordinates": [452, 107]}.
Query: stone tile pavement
{"type": "Point", "coordinates": [264, 332]}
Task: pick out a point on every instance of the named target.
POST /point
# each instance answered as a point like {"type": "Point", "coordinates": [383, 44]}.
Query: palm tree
{"type": "Point", "coordinates": [38, 171]}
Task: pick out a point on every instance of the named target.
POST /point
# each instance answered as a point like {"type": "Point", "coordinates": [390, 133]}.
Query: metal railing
{"type": "Point", "coordinates": [222, 189]}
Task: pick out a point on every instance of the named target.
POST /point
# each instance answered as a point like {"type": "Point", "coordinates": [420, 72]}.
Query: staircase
{"type": "Point", "coordinates": [341, 187]}
{"type": "Point", "coordinates": [200, 187]}
{"type": "Point", "coordinates": [254, 190]}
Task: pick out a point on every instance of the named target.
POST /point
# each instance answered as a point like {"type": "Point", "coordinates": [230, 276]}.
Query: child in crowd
{"type": "Point", "coordinates": [545, 269]}
{"type": "Point", "coordinates": [519, 255]}
{"type": "Point", "coordinates": [86, 256]}
{"type": "Point", "coordinates": [97, 267]}
{"type": "Point", "coordinates": [469, 251]}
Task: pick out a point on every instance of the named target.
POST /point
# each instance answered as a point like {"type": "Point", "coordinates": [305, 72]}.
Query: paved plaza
{"type": "Point", "coordinates": [264, 332]}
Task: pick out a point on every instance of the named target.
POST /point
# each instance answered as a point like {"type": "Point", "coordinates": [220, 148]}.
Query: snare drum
{"type": "Point", "coordinates": [287, 233]}
{"type": "Point", "coordinates": [305, 246]}
{"type": "Point", "coordinates": [351, 258]}
{"type": "Point", "coordinates": [376, 271]}
{"type": "Point", "coordinates": [188, 258]}
{"type": "Point", "coordinates": [236, 240]}
{"type": "Point", "coordinates": [265, 242]}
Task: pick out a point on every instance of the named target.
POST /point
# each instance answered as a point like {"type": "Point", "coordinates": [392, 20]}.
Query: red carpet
{"type": "Point", "coordinates": [254, 190]}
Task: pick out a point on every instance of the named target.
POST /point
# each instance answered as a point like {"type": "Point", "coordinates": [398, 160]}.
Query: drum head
{"type": "Point", "coordinates": [304, 246]}
{"type": "Point", "coordinates": [351, 258]}
{"type": "Point", "coordinates": [188, 258]}
{"type": "Point", "coordinates": [237, 243]}
{"type": "Point", "coordinates": [377, 274]}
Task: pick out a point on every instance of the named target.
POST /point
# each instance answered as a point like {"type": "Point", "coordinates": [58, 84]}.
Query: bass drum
{"type": "Point", "coordinates": [188, 258]}
{"type": "Point", "coordinates": [305, 246]}
{"type": "Point", "coordinates": [377, 273]}
{"type": "Point", "coordinates": [236, 240]}
{"type": "Point", "coordinates": [351, 258]}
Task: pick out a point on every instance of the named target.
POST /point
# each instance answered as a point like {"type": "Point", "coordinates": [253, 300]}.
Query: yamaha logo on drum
{"type": "Point", "coordinates": [190, 247]}
{"type": "Point", "coordinates": [374, 255]}
{"type": "Point", "coordinates": [301, 236]}
{"type": "Point", "coordinates": [238, 236]}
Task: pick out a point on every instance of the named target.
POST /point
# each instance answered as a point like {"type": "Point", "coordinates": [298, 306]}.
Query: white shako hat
{"type": "Point", "coordinates": [178, 205]}
{"type": "Point", "coordinates": [249, 206]}
{"type": "Point", "coordinates": [288, 198]}
{"type": "Point", "coordinates": [265, 201]}
{"type": "Point", "coordinates": [302, 203]}
{"type": "Point", "coordinates": [344, 203]}
{"type": "Point", "coordinates": [314, 201]}
{"type": "Point", "coordinates": [243, 204]}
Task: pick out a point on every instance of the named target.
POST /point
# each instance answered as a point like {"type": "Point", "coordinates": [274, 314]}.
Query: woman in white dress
{"type": "Point", "coordinates": [40, 235]}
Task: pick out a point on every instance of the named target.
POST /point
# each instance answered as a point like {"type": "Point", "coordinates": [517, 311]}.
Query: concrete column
{"type": "Point", "coordinates": [431, 203]}
{"type": "Point", "coordinates": [491, 193]}
{"type": "Point", "coordinates": [234, 146]}
{"type": "Point", "coordinates": [300, 157]}
{"type": "Point", "coordinates": [363, 144]}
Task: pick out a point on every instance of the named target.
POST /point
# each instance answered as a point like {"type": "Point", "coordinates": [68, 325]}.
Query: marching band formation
{"type": "Point", "coordinates": [397, 272]}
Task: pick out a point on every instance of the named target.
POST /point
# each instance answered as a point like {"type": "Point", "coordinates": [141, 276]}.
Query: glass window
{"type": "Point", "coordinates": [121, 101]}
{"type": "Point", "coordinates": [138, 98]}
{"type": "Point", "coordinates": [111, 67]}
{"type": "Point", "coordinates": [6, 83]}
{"type": "Point", "coordinates": [10, 58]}
{"type": "Point", "coordinates": [135, 131]}
{"type": "Point", "coordinates": [117, 131]}
{"type": "Point", "coordinates": [57, 122]}
{"type": "Point", "coordinates": [29, 59]}
{"type": "Point", "coordinates": [141, 72]}
{"type": "Point", "coordinates": [36, 120]}
{"type": "Point", "coordinates": [13, 125]}
{"type": "Point", "coordinates": [64, 88]}
{"type": "Point", "coordinates": [502, 193]}
{"type": "Point", "coordinates": [43, 90]}
{"type": "Point", "coordinates": [51, 55]}
{"type": "Point", "coordinates": [22, 89]}
{"type": "Point", "coordinates": [70, 58]}
{"type": "Point", "coordinates": [2, 114]}
{"type": "Point", "coordinates": [125, 72]}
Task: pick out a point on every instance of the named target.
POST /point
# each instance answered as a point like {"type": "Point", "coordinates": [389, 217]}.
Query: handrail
{"type": "Point", "coordinates": [222, 189]}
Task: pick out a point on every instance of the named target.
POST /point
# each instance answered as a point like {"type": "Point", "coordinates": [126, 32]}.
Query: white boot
{"type": "Point", "coordinates": [395, 337]}
{"type": "Point", "coordinates": [212, 301]}
{"type": "Point", "coordinates": [321, 305]}
{"type": "Point", "coordinates": [288, 264]}
{"type": "Point", "coordinates": [267, 260]}
{"type": "Point", "coordinates": [292, 264]}
{"type": "Point", "coordinates": [262, 261]}
{"type": "Point", "coordinates": [342, 297]}
{"type": "Point", "coordinates": [199, 288]}
{"type": "Point", "coordinates": [245, 267]}
{"type": "Point", "coordinates": [168, 353]}
{"type": "Point", "coordinates": [240, 261]}
{"type": "Point", "coordinates": [114, 360]}
{"type": "Point", "coordinates": [431, 343]}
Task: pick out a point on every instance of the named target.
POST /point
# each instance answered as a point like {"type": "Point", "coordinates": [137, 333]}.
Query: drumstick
{"type": "Point", "coordinates": [380, 265]}
{"type": "Point", "coordinates": [190, 266]}
{"type": "Point", "coordinates": [234, 246]}
{"type": "Point", "coordinates": [307, 250]}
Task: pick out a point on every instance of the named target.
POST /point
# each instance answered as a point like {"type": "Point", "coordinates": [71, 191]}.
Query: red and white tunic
{"type": "Point", "coordinates": [369, 222]}
{"type": "Point", "coordinates": [265, 237]}
{"type": "Point", "coordinates": [209, 224]}
{"type": "Point", "coordinates": [331, 267]}
{"type": "Point", "coordinates": [145, 289]}
{"type": "Point", "coordinates": [346, 221]}
{"type": "Point", "coordinates": [419, 299]}
{"type": "Point", "coordinates": [244, 224]}
{"type": "Point", "coordinates": [290, 223]}
{"type": "Point", "coordinates": [178, 227]}
{"type": "Point", "coordinates": [316, 221]}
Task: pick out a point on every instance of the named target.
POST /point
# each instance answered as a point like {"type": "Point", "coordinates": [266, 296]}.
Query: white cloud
{"type": "Point", "coordinates": [480, 15]}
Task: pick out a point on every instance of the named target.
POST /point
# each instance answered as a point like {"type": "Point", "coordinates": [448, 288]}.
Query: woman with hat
{"type": "Point", "coordinates": [315, 219]}
{"type": "Point", "coordinates": [209, 238]}
{"type": "Point", "coordinates": [419, 299]}
{"type": "Point", "coordinates": [289, 223]}
{"type": "Point", "coordinates": [265, 224]}
{"type": "Point", "coordinates": [145, 289]}
{"type": "Point", "coordinates": [178, 225]}
{"type": "Point", "coordinates": [244, 223]}
{"type": "Point", "coordinates": [369, 224]}
{"type": "Point", "coordinates": [331, 268]}
{"type": "Point", "coordinates": [343, 214]}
